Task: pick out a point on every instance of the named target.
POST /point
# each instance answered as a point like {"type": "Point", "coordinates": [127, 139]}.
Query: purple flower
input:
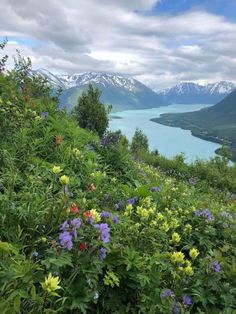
{"type": "Point", "coordinates": [66, 240]}
{"type": "Point", "coordinates": [187, 301]}
{"type": "Point", "coordinates": [115, 219]}
{"type": "Point", "coordinates": [215, 266]}
{"type": "Point", "coordinates": [75, 223]}
{"type": "Point", "coordinates": [205, 213]}
{"type": "Point", "coordinates": [155, 189]}
{"type": "Point", "coordinates": [104, 232]}
{"type": "Point", "coordinates": [104, 214]}
{"type": "Point", "coordinates": [167, 294]}
{"type": "Point", "coordinates": [64, 226]}
{"type": "Point", "coordinates": [102, 253]}
{"type": "Point", "coordinates": [132, 200]}
{"type": "Point", "coordinates": [44, 114]}
{"type": "Point", "coordinates": [175, 308]}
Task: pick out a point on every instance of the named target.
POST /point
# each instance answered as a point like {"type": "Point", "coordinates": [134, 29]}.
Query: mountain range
{"type": "Point", "coordinates": [216, 123]}
{"type": "Point", "coordinates": [192, 93]}
{"type": "Point", "coordinates": [123, 93]}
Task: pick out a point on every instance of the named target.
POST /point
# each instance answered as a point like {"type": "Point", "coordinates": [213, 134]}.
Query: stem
{"type": "Point", "coordinates": [44, 302]}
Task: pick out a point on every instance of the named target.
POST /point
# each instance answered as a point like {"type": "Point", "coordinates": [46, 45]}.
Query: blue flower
{"type": "Point", "coordinates": [115, 219]}
{"type": "Point", "coordinates": [102, 253]}
{"type": "Point", "coordinates": [155, 189]}
{"type": "Point", "coordinates": [175, 308]}
{"type": "Point", "coordinates": [215, 266]}
{"type": "Point", "coordinates": [187, 301]}
{"type": "Point", "coordinates": [132, 200]}
{"type": "Point", "coordinates": [104, 232]}
{"type": "Point", "coordinates": [35, 254]}
{"type": "Point", "coordinates": [167, 294]}
{"type": "Point", "coordinates": [104, 214]}
{"type": "Point", "coordinates": [66, 240]}
{"type": "Point", "coordinates": [64, 226]}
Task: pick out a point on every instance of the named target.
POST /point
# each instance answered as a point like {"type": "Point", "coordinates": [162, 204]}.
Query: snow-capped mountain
{"type": "Point", "coordinates": [188, 92]}
{"type": "Point", "coordinates": [119, 91]}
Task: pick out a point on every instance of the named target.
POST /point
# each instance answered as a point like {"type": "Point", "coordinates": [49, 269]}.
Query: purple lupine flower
{"type": "Point", "coordinates": [102, 253]}
{"type": "Point", "coordinates": [167, 294]}
{"type": "Point", "coordinates": [75, 223]}
{"type": "Point", "coordinates": [175, 308]}
{"type": "Point", "coordinates": [155, 189]}
{"type": "Point", "coordinates": [104, 214]}
{"type": "Point", "coordinates": [66, 240]}
{"type": "Point", "coordinates": [115, 219]}
{"type": "Point", "coordinates": [187, 301]}
{"type": "Point", "coordinates": [104, 231]}
{"type": "Point", "coordinates": [44, 114]}
{"type": "Point", "coordinates": [197, 213]}
{"type": "Point", "coordinates": [132, 200]}
{"type": "Point", "coordinates": [64, 226]}
{"type": "Point", "coordinates": [206, 213]}
{"type": "Point", "coordinates": [215, 266]}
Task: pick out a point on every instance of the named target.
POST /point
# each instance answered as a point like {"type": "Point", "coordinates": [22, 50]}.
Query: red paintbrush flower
{"type": "Point", "coordinates": [82, 246]}
{"type": "Point", "coordinates": [74, 209]}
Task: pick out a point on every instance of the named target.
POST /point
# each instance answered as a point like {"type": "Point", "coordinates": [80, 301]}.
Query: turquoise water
{"type": "Point", "coordinates": [169, 141]}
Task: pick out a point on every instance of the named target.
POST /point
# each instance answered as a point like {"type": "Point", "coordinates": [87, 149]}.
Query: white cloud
{"type": "Point", "coordinates": [114, 36]}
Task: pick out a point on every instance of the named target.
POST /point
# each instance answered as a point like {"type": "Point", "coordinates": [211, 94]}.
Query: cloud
{"type": "Point", "coordinates": [121, 36]}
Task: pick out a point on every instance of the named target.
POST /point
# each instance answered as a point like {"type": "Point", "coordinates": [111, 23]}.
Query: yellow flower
{"type": "Point", "coordinates": [177, 257]}
{"type": "Point", "coordinates": [96, 215]}
{"type": "Point", "coordinates": [51, 283]}
{"type": "Point", "coordinates": [188, 228]}
{"type": "Point", "coordinates": [193, 253]}
{"type": "Point", "coordinates": [56, 169]}
{"type": "Point", "coordinates": [176, 237]}
{"type": "Point", "coordinates": [160, 217]}
{"type": "Point", "coordinates": [43, 239]}
{"type": "Point", "coordinates": [76, 152]}
{"type": "Point", "coordinates": [64, 180]}
{"type": "Point", "coordinates": [188, 270]}
{"type": "Point", "coordinates": [165, 227]}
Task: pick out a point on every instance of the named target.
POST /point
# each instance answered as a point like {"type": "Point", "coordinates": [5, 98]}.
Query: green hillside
{"type": "Point", "coordinates": [87, 227]}
{"type": "Point", "coordinates": [120, 98]}
{"type": "Point", "coordinates": [217, 123]}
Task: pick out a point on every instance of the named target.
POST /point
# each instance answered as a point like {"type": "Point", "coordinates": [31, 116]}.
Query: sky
{"type": "Point", "coordinates": [160, 43]}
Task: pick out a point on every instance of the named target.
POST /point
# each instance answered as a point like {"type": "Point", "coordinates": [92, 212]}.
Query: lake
{"type": "Point", "coordinates": [169, 141]}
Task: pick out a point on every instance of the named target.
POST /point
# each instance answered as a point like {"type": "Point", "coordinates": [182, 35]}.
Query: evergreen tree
{"type": "Point", "coordinates": [90, 113]}
{"type": "Point", "coordinates": [139, 141]}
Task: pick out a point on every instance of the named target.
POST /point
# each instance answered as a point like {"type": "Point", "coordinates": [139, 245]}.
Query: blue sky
{"type": "Point", "coordinates": [158, 42]}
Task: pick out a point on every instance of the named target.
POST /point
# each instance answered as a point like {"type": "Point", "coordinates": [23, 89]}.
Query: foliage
{"type": "Point", "coordinates": [139, 142]}
{"type": "Point", "coordinates": [86, 229]}
{"type": "Point", "coordinates": [90, 112]}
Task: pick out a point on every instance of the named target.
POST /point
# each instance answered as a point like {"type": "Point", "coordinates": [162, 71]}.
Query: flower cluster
{"type": "Point", "coordinates": [205, 213]}
{"type": "Point", "coordinates": [68, 232]}
{"type": "Point", "coordinates": [104, 232]}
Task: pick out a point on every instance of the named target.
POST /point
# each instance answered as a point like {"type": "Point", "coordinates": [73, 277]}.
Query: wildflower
{"type": "Point", "coordinates": [92, 187]}
{"type": "Point", "coordinates": [177, 257]}
{"type": "Point", "coordinates": [74, 208]}
{"type": "Point", "coordinates": [167, 294]}
{"type": "Point", "coordinates": [44, 114]}
{"type": "Point", "coordinates": [188, 270]}
{"type": "Point", "coordinates": [115, 219]}
{"type": "Point", "coordinates": [88, 214]}
{"type": "Point", "coordinates": [75, 223]}
{"type": "Point", "coordinates": [104, 214]}
{"type": "Point", "coordinates": [175, 237]}
{"type": "Point", "coordinates": [187, 301]}
{"type": "Point", "coordinates": [175, 308]}
{"type": "Point", "coordinates": [51, 283]}
{"type": "Point", "coordinates": [104, 232]}
{"type": "Point", "coordinates": [64, 180]}
{"type": "Point", "coordinates": [132, 200]}
{"type": "Point", "coordinates": [102, 253]}
{"type": "Point", "coordinates": [56, 169]}
{"type": "Point", "coordinates": [76, 152]}
{"type": "Point", "coordinates": [155, 189]}
{"type": "Point", "coordinates": [119, 205]}
{"type": "Point", "coordinates": [82, 246]}
{"type": "Point", "coordinates": [58, 140]}
{"type": "Point", "coordinates": [66, 240]}
{"type": "Point", "coordinates": [35, 254]}
{"type": "Point", "coordinates": [95, 215]}
{"type": "Point", "coordinates": [43, 239]}
{"type": "Point", "coordinates": [64, 226]}
{"type": "Point", "coordinates": [205, 213]}
{"type": "Point", "coordinates": [188, 228]}
{"type": "Point", "coordinates": [193, 253]}
{"type": "Point", "coordinates": [215, 266]}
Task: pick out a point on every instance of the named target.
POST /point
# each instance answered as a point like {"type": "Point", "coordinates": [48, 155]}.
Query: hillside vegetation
{"type": "Point", "coordinates": [86, 227]}
{"type": "Point", "coordinates": [217, 123]}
